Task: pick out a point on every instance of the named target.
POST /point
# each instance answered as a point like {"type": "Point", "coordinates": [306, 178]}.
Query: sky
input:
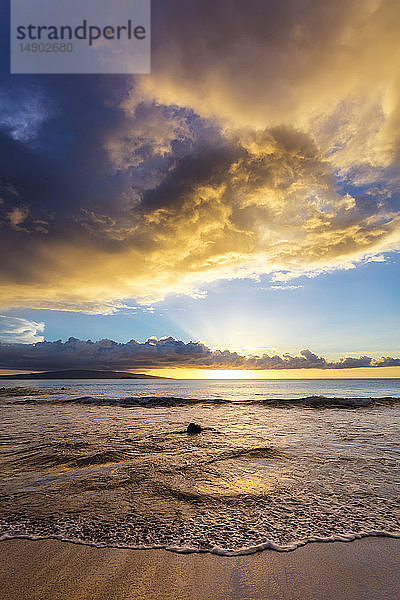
{"type": "Point", "coordinates": [240, 201]}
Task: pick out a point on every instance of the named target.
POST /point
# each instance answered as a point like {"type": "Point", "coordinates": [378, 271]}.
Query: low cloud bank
{"type": "Point", "coordinates": [166, 352]}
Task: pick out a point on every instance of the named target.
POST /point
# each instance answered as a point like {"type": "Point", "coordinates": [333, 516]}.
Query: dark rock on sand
{"type": "Point", "coordinates": [194, 428]}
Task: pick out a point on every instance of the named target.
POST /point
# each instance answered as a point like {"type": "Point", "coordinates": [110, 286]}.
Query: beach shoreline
{"type": "Point", "coordinates": [367, 569]}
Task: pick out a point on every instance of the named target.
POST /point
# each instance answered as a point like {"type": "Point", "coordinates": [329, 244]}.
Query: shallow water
{"type": "Point", "coordinates": [83, 463]}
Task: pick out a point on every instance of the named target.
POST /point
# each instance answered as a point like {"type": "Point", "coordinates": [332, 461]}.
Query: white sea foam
{"type": "Point", "coordinates": [268, 545]}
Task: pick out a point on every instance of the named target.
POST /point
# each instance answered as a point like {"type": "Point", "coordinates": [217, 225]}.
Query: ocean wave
{"type": "Point", "coordinates": [10, 392]}
{"type": "Point", "coordinates": [243, 453]}
{"type": "Point", "coordinates": [246, 550]}
{"type": "Point", "coordinates": [48, 456]}
{"type": "Point", "coordinates": [330, 402]}
{"type": "Point", "coordinates": [173, 401]}
{"type": "Point", "coordinates": [100, 458]}
{"type": "Point", "coordinates": [146, 401]}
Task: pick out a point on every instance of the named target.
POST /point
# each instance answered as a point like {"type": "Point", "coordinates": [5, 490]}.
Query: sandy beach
{"type": "Point", "coordinates": [366, 569]}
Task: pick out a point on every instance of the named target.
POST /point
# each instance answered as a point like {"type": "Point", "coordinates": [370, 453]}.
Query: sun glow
{"type": "Point", "coordinates": [360, 373]}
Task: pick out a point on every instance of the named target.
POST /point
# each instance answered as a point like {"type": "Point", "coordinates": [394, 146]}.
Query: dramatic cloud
{"type": "Point", "coordinates": [166, 352]}
{"type": "Point", "coordinates": [14, 329]}
{"type": "Point", "coordinates": [265, 142]}
{"type": "Point", "coordinates": [328, 68]}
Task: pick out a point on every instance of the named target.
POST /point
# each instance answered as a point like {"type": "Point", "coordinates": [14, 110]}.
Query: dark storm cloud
{"type": "Point", "coordinates": [166, 352]}
{"type": "Point", "coordinates": [208, 166]}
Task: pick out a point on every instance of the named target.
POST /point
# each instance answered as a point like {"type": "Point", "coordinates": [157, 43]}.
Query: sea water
{"type": "Point", "coordinates": [278, 463]}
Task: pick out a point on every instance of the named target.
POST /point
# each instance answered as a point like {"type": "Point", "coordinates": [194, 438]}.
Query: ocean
{"type": "Point", "coordinates": [279, 463]}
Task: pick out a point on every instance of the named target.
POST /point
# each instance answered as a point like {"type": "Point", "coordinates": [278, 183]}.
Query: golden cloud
{"type": "Point", "coordinates": [265, 142]}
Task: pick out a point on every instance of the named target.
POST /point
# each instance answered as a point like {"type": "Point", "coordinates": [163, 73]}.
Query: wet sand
{"type": "Point", "coordinates": [366, 569]}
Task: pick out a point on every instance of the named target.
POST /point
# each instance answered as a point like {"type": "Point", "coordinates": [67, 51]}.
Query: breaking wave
{"type": "Point", "coordinates": [30, 397]}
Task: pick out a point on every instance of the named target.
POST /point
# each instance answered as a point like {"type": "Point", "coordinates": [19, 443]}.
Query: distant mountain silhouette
{"type": "Point", "coordinates": [81, 374]}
